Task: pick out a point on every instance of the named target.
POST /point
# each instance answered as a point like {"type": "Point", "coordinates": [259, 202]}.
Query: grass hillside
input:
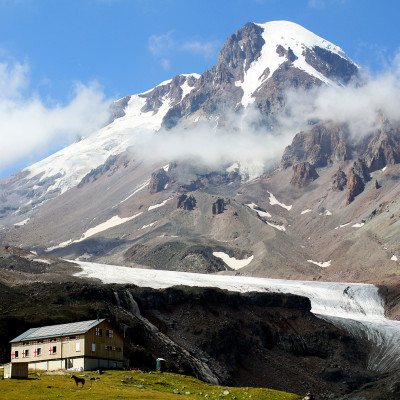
{"type": "Point", "coordinates": [127, 385]}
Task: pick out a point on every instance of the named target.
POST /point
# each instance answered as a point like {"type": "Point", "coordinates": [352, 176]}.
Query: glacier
{"type": "Point", "coordinates": [357, 308]}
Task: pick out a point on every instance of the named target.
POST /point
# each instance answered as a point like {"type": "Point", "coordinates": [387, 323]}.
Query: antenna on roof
{"type": "Point", "coordinates": [97, 314]}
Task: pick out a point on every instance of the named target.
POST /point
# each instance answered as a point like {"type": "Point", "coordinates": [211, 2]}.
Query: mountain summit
{"type": "Point", "coordinates": [257, 64]}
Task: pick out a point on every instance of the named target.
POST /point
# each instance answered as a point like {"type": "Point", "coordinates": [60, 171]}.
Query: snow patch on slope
{"type": "Point", "coordinates": [258, 210]}
{"type": "Point", "coordinates": [274, 201]}
{"type": "Point", "coordinates": [233, 262]}
{"type": "Point", "coordinates": [110, 223]}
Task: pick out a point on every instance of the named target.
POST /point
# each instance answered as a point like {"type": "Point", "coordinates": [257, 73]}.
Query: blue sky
{"type": "Point", "coordinates": [60, 57]}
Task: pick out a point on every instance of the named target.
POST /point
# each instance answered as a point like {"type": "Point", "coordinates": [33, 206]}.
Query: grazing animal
{"type": "Point", "coordinates": [78, 380]}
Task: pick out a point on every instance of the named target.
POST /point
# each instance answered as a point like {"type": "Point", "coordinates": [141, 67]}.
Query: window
{"type": "Point", "coordinates": [25, 353]}
{"type": "Point", "coordinates": [78, 346]}
{"type": "Point", "coordinates": [53, 350]}
{"type": "Point", "coordinates": [109, 333]}
{"type": "Point", "coordinates": [14, 354]}
{"type": "Point", "coordinates": [93, 346]}
{"type": "Point", "coordinates": [99, 332]}
{"type": "Point", "coordinates": [37, 352]}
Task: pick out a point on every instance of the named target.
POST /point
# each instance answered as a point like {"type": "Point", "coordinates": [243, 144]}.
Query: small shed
{"type": "Point", "coordinates": [16, 370]}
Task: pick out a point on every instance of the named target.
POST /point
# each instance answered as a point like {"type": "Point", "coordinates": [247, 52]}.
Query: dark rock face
{"type": "Point", "coordinates": [218, 207]}
{"type": "Point", "coordinates": [158, 181]}
{"type": "Point", "coordinates": [383, 149]}
{"type": "Point", "coordinates": [118, 108]}
{"type": "Point", "coordinates": [303, 174]}
{"type": "Point", "coordinates": [355, 186]}
{"type": "Point", "coordinates": [186, 202]}
{"type": "Point", "coordinates": [323, 144]}
{"type": "Point", "coordinates": [172, 89]}
{"type": "Point", "coordinates": [357, 177]}
{"type": "Point", "coordinates": [330, 64]}
{"type": "Point", "coordinates": [109, 168]}
{"type": "Point", "coordinates": [339, 180]}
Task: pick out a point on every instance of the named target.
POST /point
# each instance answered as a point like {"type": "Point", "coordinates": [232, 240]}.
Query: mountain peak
{"type": "Point", "coordinates": [293, 34]}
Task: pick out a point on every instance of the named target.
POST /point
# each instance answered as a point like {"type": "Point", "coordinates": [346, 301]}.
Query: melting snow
{"type": "Point", "coordinates": [394, 258]}
{"type": "Point", "coordinates": [305, 211]}
{"type": "Point", "coordinates": [273, 201]}
{"type": "Point", "coordinates": [342, 225]}
{"type": "Point", "coordinates": [147, 226]}
{"type": "Point", "coordinates": [137, 189]}
{"type": "Point", "coordinates": [261, 213]}
{"type": "Point", "coordinates": [42, 260]}
{"type": "Point", "coordinates": [110, 223]}
{"type": "Point", "coordinates": [159, 205]}
{"type": "Point", "coordinates": [279, 227]}
{"type": "Point", "coordinates": [22, 223]}
{"type": "Point", "coordinates": [321, 264]}
{"type": "Point", "coordinates": [232, 262]}
{"type": "Point", "coordinates": [327, 212]}
{"type": "Point", "coordinates": [359, 225]}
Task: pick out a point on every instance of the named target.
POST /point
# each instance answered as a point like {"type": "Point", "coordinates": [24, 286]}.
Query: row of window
{"type": "Point", "coordinates": [112, 348]}
{"type": "Point", "coordinates": [109, 332]}
{"type": "Point", "coordinates": [52, 340]}
{"type": "Point", "coordinates": [53, 350]}
{"type": "Point", "coordinates": [36, 352]}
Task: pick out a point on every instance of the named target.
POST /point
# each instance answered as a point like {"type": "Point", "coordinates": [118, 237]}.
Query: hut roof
{"type": "Point", "coordinates": [74, 328]}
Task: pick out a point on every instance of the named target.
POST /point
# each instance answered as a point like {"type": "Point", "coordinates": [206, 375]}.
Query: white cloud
{"type": "Point", "coordinates": [29, 128]}
{"type": "Point", "coordinates": [162, 45]}
{"type": "Point", "coordinates": [239, 139]}
{"type": "Point", "coordinates": [165, 63]}
{"type": "Point", "coordinates": [359, 106]}
{"type": "Point", "coordinates": [207, 49]}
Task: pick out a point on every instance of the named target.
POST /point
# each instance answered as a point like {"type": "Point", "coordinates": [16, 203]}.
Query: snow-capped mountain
{"type": "Point", "coordinates": [255, 66]}
{"type": "Point", "coordinates": [99, 199]}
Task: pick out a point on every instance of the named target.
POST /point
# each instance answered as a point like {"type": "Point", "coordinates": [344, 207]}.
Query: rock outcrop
{"type": "Point", "coordinates": [158, 181]}
{"type": "Point", "coordinates": [218, 207]}
{"type": "Point", "coordinates": [323, 144]}
{"type": "Point", "coordinates": [383, 149]}
{"type": "Point", "coordinates": [186, 202]}
{"type": "Point", "coordinates": [357, 177]}
{"type": "Point", "coordinates": [303, 174]}
{"type": "Point", "coordinates": [339, 180]}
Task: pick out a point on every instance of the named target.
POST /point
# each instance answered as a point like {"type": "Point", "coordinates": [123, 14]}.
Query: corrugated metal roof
{"type": "Point", "coordinates": [74, 328]}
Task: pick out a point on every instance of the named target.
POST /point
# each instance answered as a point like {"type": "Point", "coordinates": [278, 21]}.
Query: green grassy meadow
{"type": "Point", "coordinates": [128, 385]}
